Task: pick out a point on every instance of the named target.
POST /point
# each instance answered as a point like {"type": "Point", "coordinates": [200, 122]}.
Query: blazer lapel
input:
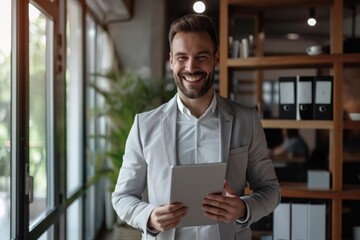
{"type": "Point", "coordinates": [168, 130]}
{"type": "Point", "coordinates": [225, 121]}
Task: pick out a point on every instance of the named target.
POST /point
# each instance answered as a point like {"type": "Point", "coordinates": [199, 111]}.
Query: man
{"type": "Point", "coordinates": [196, 126]}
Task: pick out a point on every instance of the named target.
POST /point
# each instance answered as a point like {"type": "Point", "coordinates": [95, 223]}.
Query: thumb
{"type": "Point", "coordinates": [228, 189]}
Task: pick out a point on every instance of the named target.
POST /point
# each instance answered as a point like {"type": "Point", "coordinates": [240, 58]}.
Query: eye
{"type": "Point", "coordinates": [202, 57]}
{"type": "Point", "coordinates": [181, 58]}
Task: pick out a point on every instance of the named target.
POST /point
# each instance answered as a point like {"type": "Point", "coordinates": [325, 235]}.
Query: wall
{"type": "Point", "coordinates": [140, 41]}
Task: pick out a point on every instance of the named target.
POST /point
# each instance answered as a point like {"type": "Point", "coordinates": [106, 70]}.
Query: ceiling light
{"type": "Point", "coordinates": [292, 36]}
{"type": "Point", "coordinates": [311, 20]}
{"type": "Point", "coordinates": [199, 7]}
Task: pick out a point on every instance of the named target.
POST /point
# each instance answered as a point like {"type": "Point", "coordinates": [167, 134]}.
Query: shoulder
{"type": "Point", "coordinates": [159, 111]}
{"type": "Point", "coordinates": [235, 108]}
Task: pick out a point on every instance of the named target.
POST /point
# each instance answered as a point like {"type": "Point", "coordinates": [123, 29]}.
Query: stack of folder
{"type": "Point", "coordinates": [300, 221]}
{"type": "Point", "coordinates": [306, 97]}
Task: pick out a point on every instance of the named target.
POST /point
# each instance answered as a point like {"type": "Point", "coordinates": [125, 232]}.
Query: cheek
{"type": "Point", "coordinates": [176, 67]}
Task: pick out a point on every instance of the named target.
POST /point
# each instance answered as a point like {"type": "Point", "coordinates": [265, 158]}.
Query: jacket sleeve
{"type": "Point", "coordinates": [261, 176]}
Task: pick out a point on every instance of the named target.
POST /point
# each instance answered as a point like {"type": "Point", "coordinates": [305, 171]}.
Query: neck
{"type": "Point", "coordinates": [198, 106]}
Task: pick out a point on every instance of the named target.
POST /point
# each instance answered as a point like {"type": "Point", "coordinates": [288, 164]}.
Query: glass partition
{"type": "Point", "coordinates": [40, 113]}
{"type": "Point", "coordinates": [74, 96]}
{"type": "Point", "coordinates": [5, 112]}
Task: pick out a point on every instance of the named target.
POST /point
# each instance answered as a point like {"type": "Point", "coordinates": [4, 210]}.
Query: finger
{"type": "Point", "coordinates": [215, 199]}
{"type": "Point", "coordinates": [170, 220]}
{"type": "Point", "coordinates": [165, 209]}
{"type": "Point", "coordinates": [228, 189]}
{"type": "Point", "coordinates": [217, 214]}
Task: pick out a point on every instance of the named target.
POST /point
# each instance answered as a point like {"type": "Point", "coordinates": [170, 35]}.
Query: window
{"type": "Point", "coordinates": [90, 205]}
{"type": "Point", "coordinates": [42, 120]}
{"type": "Point", "coordinates": [74, 118]}
{"type": "Point", "coordinates": [74, 96]}
{"type": "Point", "coordinates": [5, 112]}
{"type": "Point", "coordinates": [40, 113]}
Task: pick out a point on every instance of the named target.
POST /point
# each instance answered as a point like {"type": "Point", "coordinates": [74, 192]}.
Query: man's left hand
{"type": "Point", "coordinates": [226, 208]}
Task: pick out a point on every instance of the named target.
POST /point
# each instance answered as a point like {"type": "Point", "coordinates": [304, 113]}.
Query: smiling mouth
{"type": "Point", "coordinates": [192, 78]}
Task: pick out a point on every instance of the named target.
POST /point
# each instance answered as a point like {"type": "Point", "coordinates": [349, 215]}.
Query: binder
{"type": "Point", "coordinates": [287, 97]}
{"type": "Point", "coordinates": [299, 221]}
{"type": "Point", "coordinates": [317, 222]}
{"type": "Point", "coordinates": [304, 97]}
{"type": "Point", "coordinates": [323, 98]}
{"type": "Point", "coordinates": [281, 225]}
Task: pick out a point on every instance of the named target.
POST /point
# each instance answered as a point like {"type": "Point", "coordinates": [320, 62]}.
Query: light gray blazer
{"type": "Point", "coordinates": [151, 150]}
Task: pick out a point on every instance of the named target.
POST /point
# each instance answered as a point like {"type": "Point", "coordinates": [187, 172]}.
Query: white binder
{"type": "Point", "coordinates": [299, 221]}
{"type": "Point", "coordinates": [282, 222]}
{"type": "Point", "coordinates": [317, 222]}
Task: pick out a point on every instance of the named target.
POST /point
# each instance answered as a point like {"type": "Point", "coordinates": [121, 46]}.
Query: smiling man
{"type": "Point", "coordinates": [196, 126]}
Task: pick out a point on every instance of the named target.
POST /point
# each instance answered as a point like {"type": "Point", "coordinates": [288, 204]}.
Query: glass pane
{"type": "Point", "coordinates": [90, 213]}
{"type": "Point", "coordinates": [5, 98]}
{"type": "Point", "coordinates": [74, 96]}
{"type": "Point", "coordinates": [91, 96]}
{"type": "Point", "coordinates": [91, 130]}
{"type": "Point", "coordinates": [48, 235]}
{"type": "Point", "coordinates": [40, 70]}
{"type": "Point", "coordinates": [73, 220]}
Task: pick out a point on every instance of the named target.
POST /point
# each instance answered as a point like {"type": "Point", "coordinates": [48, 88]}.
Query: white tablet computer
{"type": "Point", "coordinates": [190, 184]}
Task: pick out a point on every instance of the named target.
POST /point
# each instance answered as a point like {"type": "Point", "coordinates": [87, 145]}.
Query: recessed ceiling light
{"type": "Point", "coordinates": [199, 7]}
{"type": "Point", "coordinates": [311, 20]}
{"type": "Point", "coordinates": [292, 36]}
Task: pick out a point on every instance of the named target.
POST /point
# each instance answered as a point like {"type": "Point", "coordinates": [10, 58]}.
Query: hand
{"type": "Point", "coordinates": [226, 208]}
{"type": "Point", "coordinates": [165, 217]}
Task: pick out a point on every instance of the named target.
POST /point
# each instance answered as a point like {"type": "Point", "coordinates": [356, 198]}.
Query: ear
{"type": "Point", "coordinates": [217, 58]}
{"type": "Point", "coordinates": [171, 60]}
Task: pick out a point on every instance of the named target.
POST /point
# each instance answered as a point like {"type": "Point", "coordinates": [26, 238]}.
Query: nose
{"type": "Point", "coordinates": [191, 65]}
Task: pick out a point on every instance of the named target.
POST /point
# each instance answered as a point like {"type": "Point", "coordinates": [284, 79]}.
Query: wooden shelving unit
{"type": "Point", "coordinates": [336, 61]}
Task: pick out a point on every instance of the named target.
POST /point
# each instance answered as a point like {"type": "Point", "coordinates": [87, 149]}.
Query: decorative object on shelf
{"type": "Point", "coordinates": [306, 97]}
{"type": "Point", "coordinates": [314, 50]}
{"type": "Point", "coordinates": [300, 221]}
{"type": "Point", "coordinates": [354, 116]}
{"type": "Point", "coordinates": [243, 48]}
{"type": "Point", "coordinates": [287, 98]}
{"type": "Point", "coordinates": [323, 99]}
{"type": "Point", "coordinates": [356, 232]}
{"type": "Point", "coordinates": [318, 179]}
{"type": "Point", "coordinates": [304, 104]}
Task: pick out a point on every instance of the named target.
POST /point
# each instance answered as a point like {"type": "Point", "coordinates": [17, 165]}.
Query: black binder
{"type": "Point", "coordinates": [287, 100]}
{"type": "Point", "coordinates": [304, 97]}
{"type": "Point", "coordinates": [323, 97]}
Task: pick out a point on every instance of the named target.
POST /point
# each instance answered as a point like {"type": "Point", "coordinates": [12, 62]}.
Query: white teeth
{"type": "Point", "coordinates": [192, 78]}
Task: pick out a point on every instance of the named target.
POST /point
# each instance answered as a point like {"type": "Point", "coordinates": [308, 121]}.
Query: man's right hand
{"type": "Point", "coordinates": [165, 217]}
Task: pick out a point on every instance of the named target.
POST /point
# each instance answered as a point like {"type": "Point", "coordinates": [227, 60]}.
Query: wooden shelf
{"type": "Point", "coordinates": [277, 62]}
{"type": "Point", "coordinates": [351, 192]}
{"type": "Point", "coordinates": [303, 124]}
{"type": "Point", "coordinates": [279, 3]}
{"type": "Point", "coordinates": [300, 190]}
{"type": "Point", "coordinates": [335, 62]}
{"type": "Point", "coordinates": [352, 125]}
{"type": "Point", "coordinates": [294, 61]}
{"type": "Point", "coordinates": [304, 192]}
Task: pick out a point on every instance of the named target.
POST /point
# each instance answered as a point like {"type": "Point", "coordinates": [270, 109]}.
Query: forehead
{"type": "Point", "coordinates": [192, 42]}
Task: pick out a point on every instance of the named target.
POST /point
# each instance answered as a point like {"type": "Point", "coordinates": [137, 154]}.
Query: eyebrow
{"type": "Point", "coordinates": [198, 53]}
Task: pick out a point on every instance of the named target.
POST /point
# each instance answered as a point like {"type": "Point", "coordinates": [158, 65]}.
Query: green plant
{"type": "Point", "coordinates": [124, 95]}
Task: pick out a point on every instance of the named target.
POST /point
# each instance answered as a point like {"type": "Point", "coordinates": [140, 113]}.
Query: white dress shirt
{"type": "Point", "coordinates": [198, 141]}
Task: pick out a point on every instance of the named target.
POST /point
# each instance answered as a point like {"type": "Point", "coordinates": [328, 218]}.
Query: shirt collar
{"type": "Point", "coordinates": [185, 110]}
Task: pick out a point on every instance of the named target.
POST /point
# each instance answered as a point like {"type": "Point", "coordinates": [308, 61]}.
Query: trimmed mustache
{"type": "Point", "coordinates": [183, 74]}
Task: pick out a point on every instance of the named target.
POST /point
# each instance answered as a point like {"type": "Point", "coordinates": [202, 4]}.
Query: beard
{"type": "Point", "coordinates": [194, 92]}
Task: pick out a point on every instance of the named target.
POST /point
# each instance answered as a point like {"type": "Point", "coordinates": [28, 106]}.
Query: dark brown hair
{"type": "Point", "coordinates": [194, 23]}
